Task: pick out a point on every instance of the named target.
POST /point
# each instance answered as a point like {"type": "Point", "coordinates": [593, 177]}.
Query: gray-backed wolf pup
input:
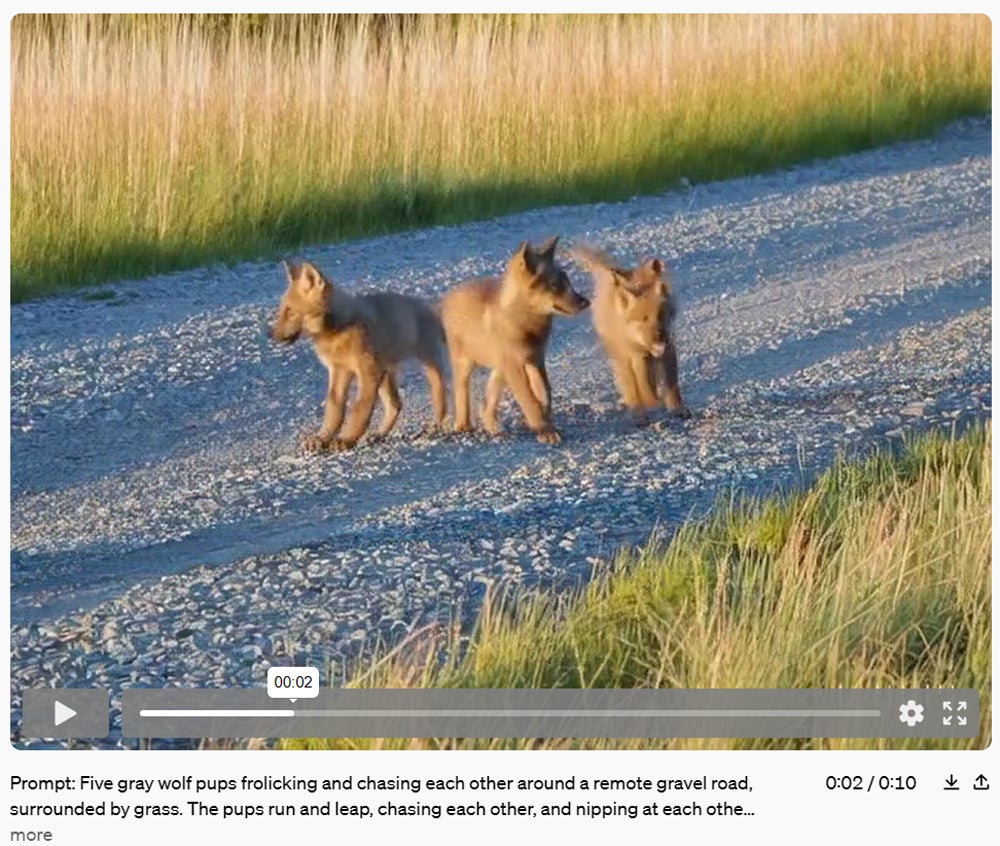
{"type": "Point", "coordinates": [503, 323]}
{"type": "Point", "coordinates": [361, 337]}
{"type": "Point", "coordinates": [633, 314]}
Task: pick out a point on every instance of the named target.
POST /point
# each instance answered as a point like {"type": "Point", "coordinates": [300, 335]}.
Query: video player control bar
{"type": "Point", "coordinates": [553, 713]}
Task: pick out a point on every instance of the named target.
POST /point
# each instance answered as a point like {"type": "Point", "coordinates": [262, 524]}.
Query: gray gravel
{"type": "Point", "coordinates": [166, 528]}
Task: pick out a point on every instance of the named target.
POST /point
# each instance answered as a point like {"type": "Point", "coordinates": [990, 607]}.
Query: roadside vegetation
{"type": "Point", "coordinates": [878, 575]}
{"type": "Point", "coordinates": [141, 144]}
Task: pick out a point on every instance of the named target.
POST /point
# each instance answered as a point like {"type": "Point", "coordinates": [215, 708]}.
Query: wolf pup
{"type": "Point", "coordinates": [503, 323]}
{"type": "Point", "coordinates": [361, 337]}
{"type": "Point", "coordinates": [633, 314]}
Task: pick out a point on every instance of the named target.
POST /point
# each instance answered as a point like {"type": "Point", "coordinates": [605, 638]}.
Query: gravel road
{"type": "Point", "coordinates": [166, 528]}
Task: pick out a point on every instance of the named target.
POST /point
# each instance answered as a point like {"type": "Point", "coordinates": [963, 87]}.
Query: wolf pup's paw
{"type": "Point", "coordinates": [639, 417]}
{"type": "Point", "coordinates": [436, 428]}
{"type": "Point", "coordinates": [549, 436]}
{"type": "Point", "coordinates": [314, 443]}
{"type": "Point", "coordinates": [492, 426]}
{"type": "Point", "coordinates": [682, 412]}
{"type": "Point", "coordinates": [340, 445]}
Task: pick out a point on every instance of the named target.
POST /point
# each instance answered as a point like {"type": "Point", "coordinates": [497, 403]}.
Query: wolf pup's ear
{"type": "Point", "coordinates": [549, 247]}
{"type": "Point", "coordinates": [625, 296]}
{"type": "Point", "coordinates": [524, 257]}
{"type": "Point", "coordinates": [653, 267]}
{"type": "Point", "coordinates": [661, 273]}
{"type": "Point", "coordinates": [291, 270]}
{"type": "Point", "coordinates": [311, 276]}
{"type": "Point", "coordinates": [624, 286]}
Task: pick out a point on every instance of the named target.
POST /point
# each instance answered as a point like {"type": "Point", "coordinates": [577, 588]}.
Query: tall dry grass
{"type": "Point", "coordinates": [142, 144]}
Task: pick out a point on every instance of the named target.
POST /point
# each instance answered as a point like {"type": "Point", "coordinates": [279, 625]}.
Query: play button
{"type": "Point", "coordinates": [62, 713]}
{"type": "Point", "coordinates": [65, 713]}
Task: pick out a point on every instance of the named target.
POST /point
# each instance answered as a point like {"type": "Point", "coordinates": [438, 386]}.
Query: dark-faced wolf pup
{"type": "Point", "coordinates": [503, 323]}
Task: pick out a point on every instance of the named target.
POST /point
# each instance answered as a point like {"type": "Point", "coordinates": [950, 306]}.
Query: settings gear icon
{"type": "Point", "coordinates": [911, 713]}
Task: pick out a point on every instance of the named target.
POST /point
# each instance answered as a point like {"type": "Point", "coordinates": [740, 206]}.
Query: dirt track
{"type": "Point", "coordinates": [157, 483]}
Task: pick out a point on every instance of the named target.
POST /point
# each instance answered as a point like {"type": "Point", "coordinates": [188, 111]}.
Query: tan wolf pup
{"type": "Point", "coordinates": [633, 314]}
{"type": "Point", "coordinates": [361, 337]}
{"type": "Point", "coordinates": [503, 323]}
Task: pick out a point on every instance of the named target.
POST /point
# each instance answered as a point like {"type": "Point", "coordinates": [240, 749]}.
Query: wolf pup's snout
{"type": "Point", "coordinates": [570, 301]}
{"type": "Point", "coordinates": [276, 334]}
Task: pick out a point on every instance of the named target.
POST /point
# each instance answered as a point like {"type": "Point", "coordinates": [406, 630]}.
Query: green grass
{"type": "Point", "coordinates": [876, 576]}
{"type": "Point", "coordinates": [141, 145]}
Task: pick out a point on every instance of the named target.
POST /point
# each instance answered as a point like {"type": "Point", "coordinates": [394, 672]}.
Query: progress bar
{"type": "Point", "coordinates": [214, 713]}
{"type": "Point", "coordinates": [563, 713]}
{"type": "Point", "coordinates": [630, 713]}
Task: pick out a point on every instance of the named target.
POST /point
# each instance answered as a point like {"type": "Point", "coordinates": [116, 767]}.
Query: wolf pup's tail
{"type": "Point", "coordinates": [592, 258]}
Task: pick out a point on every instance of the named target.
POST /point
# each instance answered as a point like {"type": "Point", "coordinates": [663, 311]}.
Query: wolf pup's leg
{"type": "Point", "coordinates": [625, 380]}
{"type": "Point", "coordinates": [667, 381]}
{"type": "Point", "coordinates": [439, 391]}
{"type": "Point", "coordinates": [645, 386]}
{"type": "Point", "coordinates": [333, 413]}
{"type": "Point", "coordinates": [515, 376]}
{"type": "Point", "coordinates": [494, 388]}
{"type": "Point", "coordinates": [369, 378]}
{"type": "Point", "coordinates": [538, 378]}
{"type": "Point", "coordinates": [391, 404]}
{"type": "Point", "coordinates": [461, 374]}
{"type": "Point", "coordinates": [432, 345]}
